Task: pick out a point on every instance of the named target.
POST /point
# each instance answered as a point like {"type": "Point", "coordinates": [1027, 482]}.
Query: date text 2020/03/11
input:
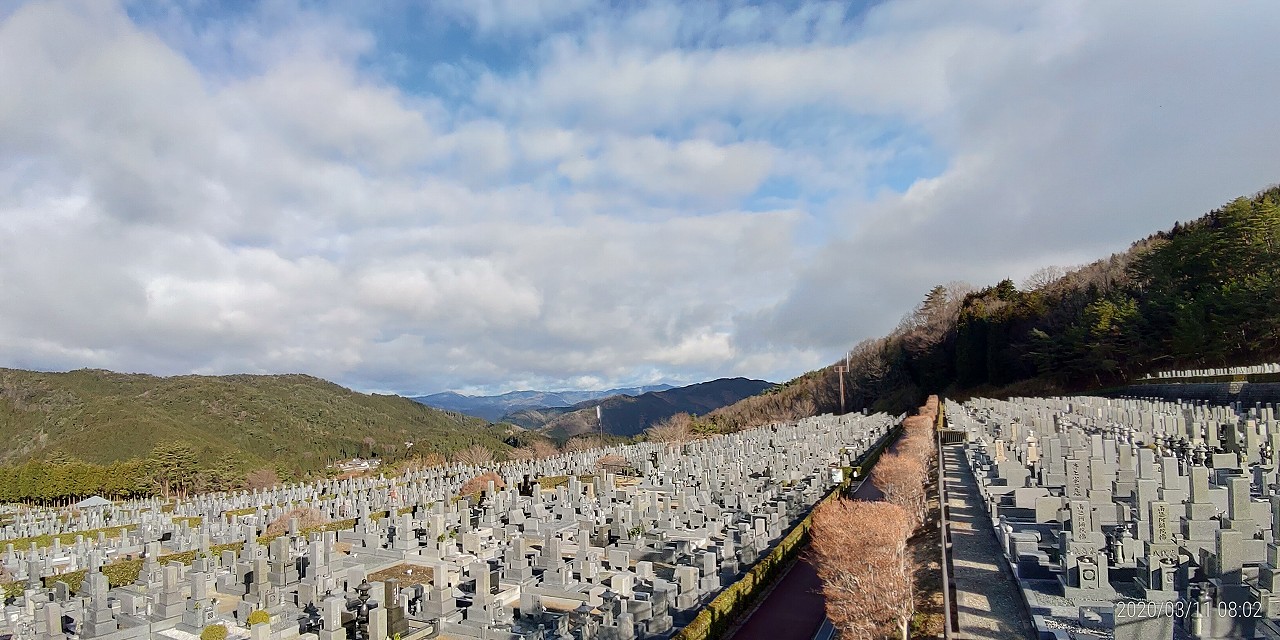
{"type": "Point", "coordinates": [1183, 608]}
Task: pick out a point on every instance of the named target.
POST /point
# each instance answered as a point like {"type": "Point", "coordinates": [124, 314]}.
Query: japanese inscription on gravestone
{"type": "Point", "coordinates": [1076, 479]}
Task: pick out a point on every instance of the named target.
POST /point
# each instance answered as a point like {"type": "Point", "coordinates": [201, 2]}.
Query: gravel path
{"type": "Point", "coordinates": [986, 596]}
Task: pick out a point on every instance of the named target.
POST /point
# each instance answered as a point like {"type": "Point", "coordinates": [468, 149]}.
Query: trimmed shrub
{"type": "Point", "coordinates": [214, 632]}
{"type": "Point", "coordinates": [480, 483]}
{"type": "Point", "coordinates": [67, 538]}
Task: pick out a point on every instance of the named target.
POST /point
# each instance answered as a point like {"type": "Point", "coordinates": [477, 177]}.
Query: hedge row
{"type": "Point", "coordinates": [870, 458]}
{"type": "Point", "coordinates": [125, 572]}
{"type": "Point", "coordinates": [378, 515]}
{"type": "Point", "coordinates": [720, 614]}
{"type": "Point", "coordinates": [68, 538]}
{"type": "Point", "coordinates": [551, 482]}
{"type": "Point", "coordinates": [336, 525]}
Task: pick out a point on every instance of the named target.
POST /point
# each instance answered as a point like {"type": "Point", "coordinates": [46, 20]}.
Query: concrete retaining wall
{"type": "Point", "coordinates": [1246, 393]}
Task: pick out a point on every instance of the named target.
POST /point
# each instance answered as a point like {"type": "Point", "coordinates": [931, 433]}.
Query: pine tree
{"type": "Point", "coordinates": [173, 465]}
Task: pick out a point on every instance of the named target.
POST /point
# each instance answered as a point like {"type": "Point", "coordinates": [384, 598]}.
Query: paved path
{"type": "Point", "coordinates": [986, 596]}
{"type": "Point", "coordinates": [795, 607]}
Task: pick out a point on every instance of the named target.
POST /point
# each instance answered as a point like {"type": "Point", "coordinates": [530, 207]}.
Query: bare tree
{"type": "Point", "coordinates": [934, 317]}
{"type": "Point", "coordinates": [673, 431]}
{"type": "Point", "coordinates": [919, 440]}
{"type": "Point", "coordinates": [419, 462]}
{"type": "Point", "coordinates": [521, 453]}
{"type": "Point", "coordinates": [930, 407]}
{"type": "Point", "coordinates": [1043, 278]}
{"type": "Point", "coordinates": [583, 443]}
{"type": "Point", "coordinates": [900, 477]}
{"type": "Point", "coordinates": [544, 449]}
{"type": "Point", "coordinates": [481, 483]}
{"type": "Point", "coordinates": [860, 552]}
{"type": "Point", "coordinates": [475, 455]}
{"type": "Point", "coordinates": [803, 407]}
{"type": "Point", "coordinates": [263, 478]}
{"type": "Point", "coordinates": [432, 459]}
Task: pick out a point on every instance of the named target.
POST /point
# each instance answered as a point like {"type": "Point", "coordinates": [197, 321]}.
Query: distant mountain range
{"type": "Point", "coordinates": [625, 415]}
{"type": "Point", "coordinates": [492, 408]}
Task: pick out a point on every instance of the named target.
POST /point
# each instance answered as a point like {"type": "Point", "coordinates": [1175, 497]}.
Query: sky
{"type": "Point", "coordinates": [488, 195]}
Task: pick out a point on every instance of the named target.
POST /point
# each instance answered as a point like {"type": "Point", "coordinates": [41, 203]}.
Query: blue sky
{"type": "Point", "coordinates": [496, 194]}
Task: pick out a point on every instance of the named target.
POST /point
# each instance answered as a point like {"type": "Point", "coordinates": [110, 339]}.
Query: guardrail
{"type": "Point", "coordinates": [951, 615]}
{"type": "Point", "coordinates": [1221, 378]}
{"type": "Point", "coordinates": [1269, 368]}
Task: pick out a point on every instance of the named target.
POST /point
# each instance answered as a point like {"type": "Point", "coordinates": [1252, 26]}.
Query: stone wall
{"type": "Point", "coordinates": [1245, 393]}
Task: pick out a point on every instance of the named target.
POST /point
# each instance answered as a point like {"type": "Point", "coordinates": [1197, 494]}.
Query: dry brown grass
{"type": "Point", "coordinates": [407, 574]}
{"type": "Point", "coordinates": [307, 518]}
{"type": "Point", "coordinates": [926, 559]}
{"type": "Point", "coordinates": [611, 460]}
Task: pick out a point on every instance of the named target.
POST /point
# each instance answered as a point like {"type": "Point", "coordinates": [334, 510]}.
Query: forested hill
{"type": "Point", "coordinates": [293, 424]}
{"type": "Point", "coordinates": [493, 408]}
{"type": "Point", "coordinates": [624, 415]}
{"type": "Point", "coordinates": [1204, 293]}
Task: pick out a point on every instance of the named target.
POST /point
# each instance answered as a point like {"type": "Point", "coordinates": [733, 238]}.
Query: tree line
{"type": "Point", "coordinates": [170, 469]}
{"type": "Point", "coordinates": [1203, 294]}
{"type": "Point", "coordinates": [861, 549]}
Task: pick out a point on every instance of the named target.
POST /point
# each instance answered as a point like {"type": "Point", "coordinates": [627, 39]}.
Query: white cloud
{"type": "Point", "coordinates": [1071, 136]}
{"type": "Point", "coordinates": [322, 110]}
{"type": "Point", "coordinates": [506, 17]}
{"type": "Point", "coordinates": [603, 84]}
{"type": "Point", "coordinates": [661, 170]}
{"type": "Point", "coordinates": [462, 295]}
{"type": "Point", "coordinates": [669, 191]}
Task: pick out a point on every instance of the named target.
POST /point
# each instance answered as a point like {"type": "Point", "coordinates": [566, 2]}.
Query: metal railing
{"type": "Point", "coordinates": [951, 615]}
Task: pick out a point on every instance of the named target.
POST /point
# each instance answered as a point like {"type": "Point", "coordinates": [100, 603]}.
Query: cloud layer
{"type": "Point", "coordinates": [486, 196]}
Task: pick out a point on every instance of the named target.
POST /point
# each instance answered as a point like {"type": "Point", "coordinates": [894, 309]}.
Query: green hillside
{"type": "Point", "coordinates": [1203, 294]}
{"type": "Point", "coordinates": [295, 424]}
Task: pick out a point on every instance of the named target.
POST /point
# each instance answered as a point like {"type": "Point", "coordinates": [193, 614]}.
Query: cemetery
{"type": "Point", "coordinates": [1268, 369]}
{"type": "Point", "coordinates": [589, 554]}
{"type": "Point", "coordinates": [1130, 518]}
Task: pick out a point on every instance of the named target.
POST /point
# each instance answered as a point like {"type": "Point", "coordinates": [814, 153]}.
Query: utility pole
{"type": "Point", "coordinates": [840, 371]}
